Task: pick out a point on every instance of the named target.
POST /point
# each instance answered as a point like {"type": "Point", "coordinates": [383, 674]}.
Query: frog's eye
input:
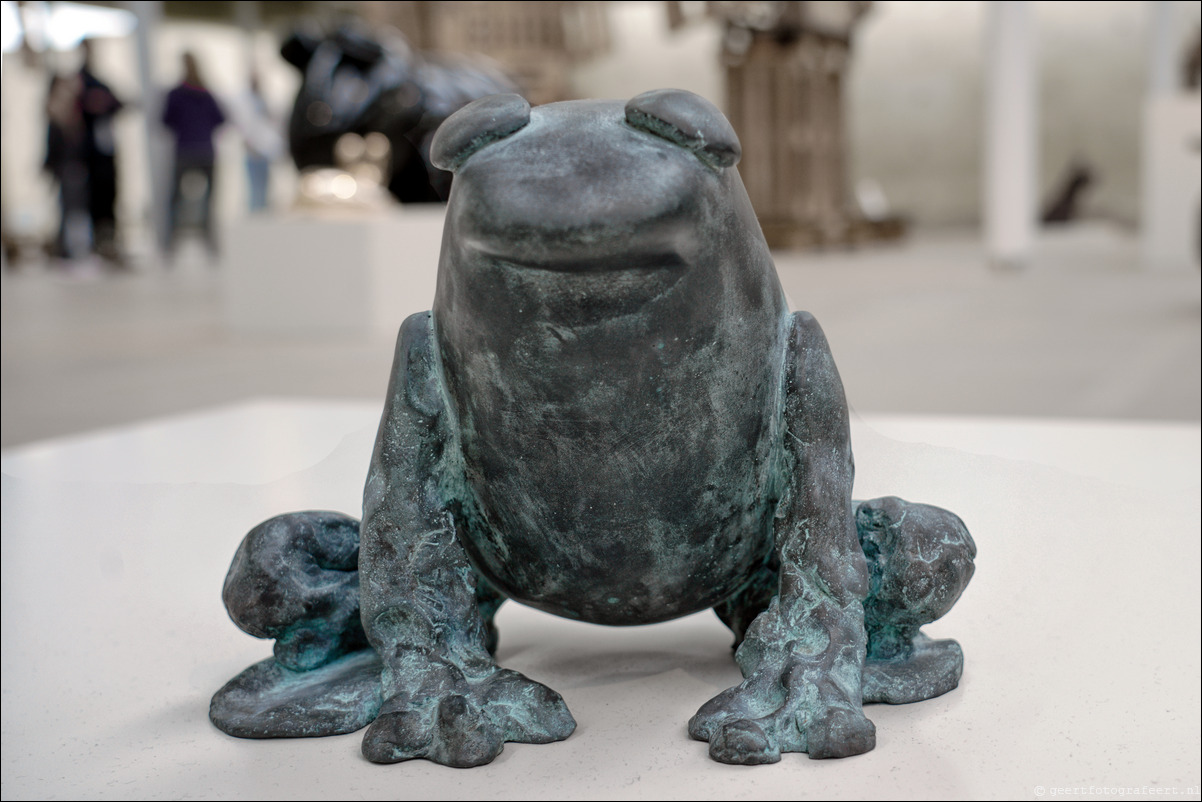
{"type": "Point", "coordinates": [477, 125]}
{"type": "Point", "coordinates": [687, 120]}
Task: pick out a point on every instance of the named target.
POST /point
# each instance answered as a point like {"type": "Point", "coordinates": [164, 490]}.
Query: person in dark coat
{"type": "Point", "coordinates": [192, 114]}
{"type": "Point", "coordinates": [99, 105]}
{"type": "Point", "coordinates": [66, 162]}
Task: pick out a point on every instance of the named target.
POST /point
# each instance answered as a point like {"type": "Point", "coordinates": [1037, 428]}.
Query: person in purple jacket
{"type": "Point", "coordinates": [192, 115]}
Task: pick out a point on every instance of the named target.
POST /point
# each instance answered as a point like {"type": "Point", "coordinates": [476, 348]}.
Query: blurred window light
{"type": "Point", "coordinates": [60, 26]}
{"type": "Point", "coordinates": [10, 27]}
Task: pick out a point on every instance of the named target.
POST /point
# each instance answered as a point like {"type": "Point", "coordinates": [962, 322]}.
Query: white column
{"type": "Point", "coordinates": [158, 158]}
{"type": "Point", "coordinates": [246, 13]}
{"type": "Point", "coordinates": [1009, 205]}
{"type": "Point", "coordinates": [1170, 166]}
{"type": "Point", "coordinates": [1162, 58]}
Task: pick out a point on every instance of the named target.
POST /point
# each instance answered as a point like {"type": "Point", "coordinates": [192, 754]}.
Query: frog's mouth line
{"type": "Point", "coordinates": [586, 291]}
{"type": "Point", "coordinates": [643, 263]}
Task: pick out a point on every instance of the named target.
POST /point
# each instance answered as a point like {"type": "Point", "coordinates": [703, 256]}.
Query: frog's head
{"type": "Point", "coordinates": [577, 213]}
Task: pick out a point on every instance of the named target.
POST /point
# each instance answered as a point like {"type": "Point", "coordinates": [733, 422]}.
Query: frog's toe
{"type": "Point", "coordinates": [743, 742]}
{"type": "Point", "coordinates": [453, 734]}
{"type": "Point", "coordinates": [393, 737]}
{"type": "Point", "coordinates": [525, 711]}
{"type": "Point", "coordinates": [469, 723]}
{"type": "Point", "coordinates": [728, 706]}
{"type": "Point", "coordinates": [839, 732]}
{"type": "Point", "coordinates": [743, 728]}
{"type": "Point", "coordinates": [462, 739]}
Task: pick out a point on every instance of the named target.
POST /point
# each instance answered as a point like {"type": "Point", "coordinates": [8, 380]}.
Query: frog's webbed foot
{"type": "Point", "coordinates": [757, 720]}
{"type": "Point", "coordinates": [464, 721]}
{"type": "Point", "coordinates": [929, 668]}
{"type": "Point", "coordinates": [789, 702]}
{"type": "Point", "coordinates": [446, 698]}
{"type": "Point", "coordinates": [270, 700]}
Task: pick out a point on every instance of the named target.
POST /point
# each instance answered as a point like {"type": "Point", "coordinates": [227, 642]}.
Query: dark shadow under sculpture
{"type": "Point", "coordinates": [611, 415]}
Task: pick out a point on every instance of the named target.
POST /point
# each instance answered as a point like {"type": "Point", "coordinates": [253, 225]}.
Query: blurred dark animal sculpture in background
{"type": "Point", "coordinates": [359, 83]}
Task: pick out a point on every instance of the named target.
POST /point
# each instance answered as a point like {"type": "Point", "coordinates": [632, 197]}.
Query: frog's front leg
{"type": "Point", "coordinates": [445, 699]}
{"type": "Point", "coordinates": [802, 657]}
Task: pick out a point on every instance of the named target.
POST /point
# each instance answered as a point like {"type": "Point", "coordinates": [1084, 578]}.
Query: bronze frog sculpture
{"type": "Point", "coordinates": [610, 414]}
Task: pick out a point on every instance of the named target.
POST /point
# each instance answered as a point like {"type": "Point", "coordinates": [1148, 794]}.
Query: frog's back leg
{"type": "Point", "coordinates": [920, 559]}
{"type": "Point", "coordinates": [295, 578]}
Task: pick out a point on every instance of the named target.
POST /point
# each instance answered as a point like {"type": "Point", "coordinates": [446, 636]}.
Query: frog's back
{"type": "Point", "coordinates": [610, 329]}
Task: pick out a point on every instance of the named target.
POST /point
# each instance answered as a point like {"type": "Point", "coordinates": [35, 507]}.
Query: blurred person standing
{"type": "Point", "coordinates": [192, 115]}
{"type": "Point", "coordinates": [263, 138]}
{"type": "Point", "coordinates": [99, 105]}
{"type": "Point", "coordinates": [66, 162]}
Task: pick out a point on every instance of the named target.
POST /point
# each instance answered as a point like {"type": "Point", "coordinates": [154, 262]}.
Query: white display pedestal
{"type": "Point", "coordinates": [327, 271]}
{"type": "Point", "coordinates": [1080, 628]}
{"type": "Point", "coordinates": [1171, 184]}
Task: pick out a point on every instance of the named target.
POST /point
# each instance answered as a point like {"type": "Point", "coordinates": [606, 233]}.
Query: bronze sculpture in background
{"type": "Point", "coordinates": [360, 85]}
{"type": "Point", "coordinates": [785, 67]}
{"type": "Point", "coordinates": [536, 43]}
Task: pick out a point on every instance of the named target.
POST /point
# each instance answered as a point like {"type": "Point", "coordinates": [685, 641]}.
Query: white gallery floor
{"type": "Point", "coordinates": [1079, 627]}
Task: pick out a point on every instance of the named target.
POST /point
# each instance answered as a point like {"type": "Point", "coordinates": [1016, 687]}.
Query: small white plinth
{"type": "Point", "coordinates": [329, 271]}
{"type": "Point", "coordinates": [1171, 181]}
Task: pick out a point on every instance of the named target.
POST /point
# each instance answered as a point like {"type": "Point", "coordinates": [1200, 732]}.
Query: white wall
{"type": "Point", "coordinates": [646, 55]}
{"type": "Point", "coordinates": [914, 94]}
{"type": "Point", "coordinates": [914, 101]}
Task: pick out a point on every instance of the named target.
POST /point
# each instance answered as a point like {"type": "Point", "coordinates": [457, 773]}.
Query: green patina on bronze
{"type": "Point", "coordinates": [610, 414]}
